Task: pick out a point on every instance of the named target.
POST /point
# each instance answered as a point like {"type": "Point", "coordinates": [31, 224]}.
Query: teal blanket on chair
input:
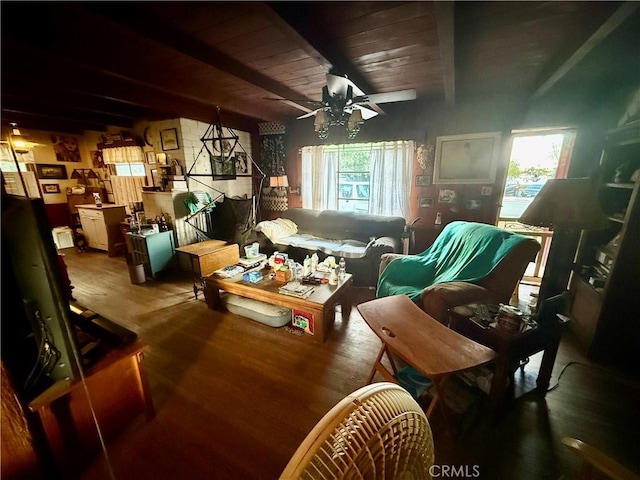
{"type": "Point", "coordinates": [463, 252]}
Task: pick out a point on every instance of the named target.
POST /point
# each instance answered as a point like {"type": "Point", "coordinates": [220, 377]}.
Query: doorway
{"type": "Point", "coordinates": [536, 156]}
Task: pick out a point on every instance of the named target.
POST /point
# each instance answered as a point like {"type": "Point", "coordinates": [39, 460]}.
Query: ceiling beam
{"type": "Point", "coordinates": [446, 42]}
{"type": "Point", "coordinates": [158, 30]}
{"type": "Point", "coordinates": [51, 123]}
{"type": "Point", "coordinates": [21, 61]}
{"type": "Point", "coordinates": [609, 26]}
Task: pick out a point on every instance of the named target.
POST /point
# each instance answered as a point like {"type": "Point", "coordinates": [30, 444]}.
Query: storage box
{"type": "Point", "coordinates": [62, 237]}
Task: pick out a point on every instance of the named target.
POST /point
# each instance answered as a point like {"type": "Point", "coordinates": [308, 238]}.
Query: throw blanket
{"type": "Point", "coordinates": [463, 252]}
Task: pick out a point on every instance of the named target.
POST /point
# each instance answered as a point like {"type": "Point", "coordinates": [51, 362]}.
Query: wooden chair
{"type": "Point", "coordinates": [596, 461]}
{"type": "Point", "coordinates": [378, 431]}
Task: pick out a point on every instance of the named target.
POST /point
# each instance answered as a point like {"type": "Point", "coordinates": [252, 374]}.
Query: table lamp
{"type": "Point", "coordinates": [567, 206]}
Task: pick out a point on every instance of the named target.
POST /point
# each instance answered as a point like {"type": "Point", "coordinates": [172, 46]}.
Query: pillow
{"type": "Point", "coordinates": [277, 229]}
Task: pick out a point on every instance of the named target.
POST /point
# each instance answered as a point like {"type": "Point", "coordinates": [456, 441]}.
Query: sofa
{"type": "Point", "coordinates": [361, 239]}
{"type": "Point", "coordinates": [468, 262]}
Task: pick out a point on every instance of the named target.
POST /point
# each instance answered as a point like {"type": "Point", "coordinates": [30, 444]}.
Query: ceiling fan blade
{"type": "Point", "coordinates": [399, 96]}
{"type": "Point", "coordinates": [310, 114]}
{"type": "Point", "coordinates": [339, 85]}
{"type": "Point", "coordinates": [366, 112]}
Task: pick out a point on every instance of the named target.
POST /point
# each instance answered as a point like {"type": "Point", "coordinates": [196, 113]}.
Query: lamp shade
{"type": "Point", "coordinates": [281, 181]}
{"type": "Point", "coordinates": [566, 203]}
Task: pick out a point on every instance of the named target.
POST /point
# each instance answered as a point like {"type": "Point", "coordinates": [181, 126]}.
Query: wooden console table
{"type": "Point", "coordinates": [207, 257]}
{"type": "Point", "coordinates": [118, 392]}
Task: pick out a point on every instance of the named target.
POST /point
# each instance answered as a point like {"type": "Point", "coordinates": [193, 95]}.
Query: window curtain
{"type": "Point", "coordinates": [123, 155]}
{"type": "Point", "coordinates": [391, 178]}
{"type": "Point", "coordinates": [127, 189]}
{"type": "Point", "coordinates": [320, 172]}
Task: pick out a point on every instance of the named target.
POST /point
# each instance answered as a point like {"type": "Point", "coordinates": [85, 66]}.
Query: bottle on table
{"type": "Point", "coordinates": [307, 265]}
{"type": "Point", "coordinates": [342, 268]}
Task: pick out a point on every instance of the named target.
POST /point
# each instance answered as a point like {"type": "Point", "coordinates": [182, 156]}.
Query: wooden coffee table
{"type": "Point", "coordinates": [321, 303]}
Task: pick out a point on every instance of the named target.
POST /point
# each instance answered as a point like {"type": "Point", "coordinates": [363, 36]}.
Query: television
{"type": "Point", "coordinates": [38, 340]}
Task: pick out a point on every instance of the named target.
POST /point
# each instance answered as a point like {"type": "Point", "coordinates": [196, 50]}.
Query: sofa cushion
{"type": "Point", "coordinates": [277, 229]}
{"type": "Point", "coordinates": [338, 248]}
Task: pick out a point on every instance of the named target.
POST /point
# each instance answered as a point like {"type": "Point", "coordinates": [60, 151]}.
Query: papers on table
{"type": "Point", "coordinates": [296, 289]}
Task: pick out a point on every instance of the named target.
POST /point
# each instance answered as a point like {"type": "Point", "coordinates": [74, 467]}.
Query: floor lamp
{"type": "Point", "coordinates": [567, 206]}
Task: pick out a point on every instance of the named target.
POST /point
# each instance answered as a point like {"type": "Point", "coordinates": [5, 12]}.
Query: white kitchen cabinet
{"type": "Point", "coordinates": [101, 225]}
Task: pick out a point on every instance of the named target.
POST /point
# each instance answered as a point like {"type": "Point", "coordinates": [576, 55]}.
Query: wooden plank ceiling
{"type": "Point", "coordinates": [72, 66]}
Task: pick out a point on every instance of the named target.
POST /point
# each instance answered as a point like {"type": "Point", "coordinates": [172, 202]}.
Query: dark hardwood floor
{"type": "Point", "coordinates": [235, 398]}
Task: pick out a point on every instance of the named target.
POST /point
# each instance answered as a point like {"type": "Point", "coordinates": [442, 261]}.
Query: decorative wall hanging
{"type": "Point", "coordinates": [66, 148]}
{"type": "Point", "coordinates": [272, 149]}
{"type": "Point", "coordinates": [169, 139]}
{"type": "Point", "coordinates": [467, 158]}
{"type": "Point", "coordinates": [425, 155]}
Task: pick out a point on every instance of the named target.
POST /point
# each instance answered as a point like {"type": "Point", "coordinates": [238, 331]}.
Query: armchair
{"type": "Point", "coordinates": [468, 262]}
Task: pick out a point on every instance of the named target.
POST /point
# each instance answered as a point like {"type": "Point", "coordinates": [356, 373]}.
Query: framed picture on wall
{"type": "Point", "coordinates": [223, 168]}
{"type": "Point", "coordinates": [169, 139]}
{"type": "Point", "coordinates": [243, 164]}
{"type": "Point", "coordinates": [51, 188]}
{"type": "Point", "coordinates": [51, 172]}
{"type": "Point", "coordinates": [469, 158]}
{"type": "Point", "coordinates": [423, 180]}
{"type": "Point", "coordinates": [425, 202]}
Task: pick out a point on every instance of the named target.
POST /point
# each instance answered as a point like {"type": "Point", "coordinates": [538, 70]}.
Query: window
{"type": "Point", "coordinates": [360, 177]}
{"type": "Point", "coordinates": [130, 170]}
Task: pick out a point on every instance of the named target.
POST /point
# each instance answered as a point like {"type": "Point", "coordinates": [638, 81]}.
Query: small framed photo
{"type": "Point", "coordinates": [447, 196]}
{"type": "Point", "coordinates": [486, 191]}
{"type": "Point", "coordinates": [425, 202]}
{"type": "Point", "coordinates": [161, 158]}
{"type": "Point", "coordinates": [473, 204]}
{"type": "Point", "coordinates": [423, 180]}
{"type": "Point", "coordinates": [51, 172]}
{"type": "Point", "coordinates": [151, 158]}
{"type": "Point", "coordinates": [51, 188]}
{"type": "Point", "coordinates": [169, 139]}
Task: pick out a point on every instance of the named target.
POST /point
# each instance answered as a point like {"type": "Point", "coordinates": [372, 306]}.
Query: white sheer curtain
{"type": "Point", "coordinates": [391, 178]}
{"type": "Point", "coordinates": [389, 185]}
{"type": "Point", "coordinates": [127, 189]}
{"type": "Point", "coordinates": [319, 178]}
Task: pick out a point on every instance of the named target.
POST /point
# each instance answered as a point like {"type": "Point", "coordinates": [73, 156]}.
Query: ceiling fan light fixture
{"type": "Point", "coordinates": [321, 124]}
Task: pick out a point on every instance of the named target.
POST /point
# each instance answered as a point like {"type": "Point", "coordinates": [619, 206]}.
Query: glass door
{"type": "Point", "coordinates": [536, 156]}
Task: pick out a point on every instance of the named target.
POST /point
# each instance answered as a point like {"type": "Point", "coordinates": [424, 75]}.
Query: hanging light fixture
{"type": "Point", "coordinates": [19, 143]}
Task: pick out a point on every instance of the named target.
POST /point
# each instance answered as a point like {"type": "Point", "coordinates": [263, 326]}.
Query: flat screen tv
{"type": "Point", "coordinates": [38, 339]}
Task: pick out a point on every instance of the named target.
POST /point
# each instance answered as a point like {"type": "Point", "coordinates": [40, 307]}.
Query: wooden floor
{"type": "Point", "coordinates": [234, 398]}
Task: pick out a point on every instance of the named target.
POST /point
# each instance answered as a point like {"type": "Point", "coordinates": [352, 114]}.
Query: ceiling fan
{"type": "Point", "coordinates": [344, 104]}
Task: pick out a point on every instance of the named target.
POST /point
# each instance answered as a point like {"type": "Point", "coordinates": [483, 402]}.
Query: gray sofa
{"type": "Point", "coordinates": [360, 238]}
